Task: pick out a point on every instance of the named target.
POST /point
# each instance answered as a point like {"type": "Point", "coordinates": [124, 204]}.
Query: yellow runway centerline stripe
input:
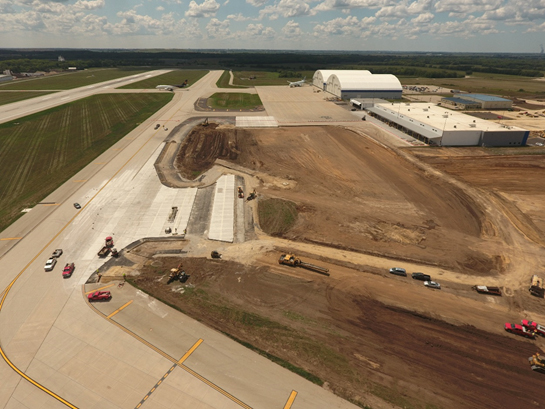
{"type": "Point", "coordinates": [191, 350]}
{"type": "Point", "coordinates": [290, 400]}
{"type": "Point", "coordinates": [120, 309]}
{"type": "Point", "coordinates": [99, 289]}
{"type": "Point", "coordinates": [10, 238]}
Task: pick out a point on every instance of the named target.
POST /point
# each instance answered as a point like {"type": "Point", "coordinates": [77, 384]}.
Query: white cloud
{"type": "Point", "coordinates": [328, 5]}
{"type": "Point", "coordinates": [90, 5]}
{"type": "Point", "coordinates": [238, 17]}
{"type": "Point", "coordinates": [218, 29]}
{"type": "Point", "coordinates": [423, 18]}
{"type": "Point", "coordinates": [160, 8]}
{"type": "Point", "coordinates": [292, 29]}
{"type": "Point", "coordinates": [464, 7]}
{"type": "Point", "coordinates": [206, 9]}
{"type": "Point", "coordinates": [287, 9]}
{"type": "Point", "coordinates": [258, 30]}
{"type": "Point", "coordinates": [257, 3]}
{"type": "Point", "coordinates": [404, 9]}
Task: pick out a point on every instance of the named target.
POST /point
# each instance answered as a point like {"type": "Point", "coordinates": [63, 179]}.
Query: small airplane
{"type": "Point", "coordinates": [297, 83]}
{"type": "Point", "coordinates": [165, 87]}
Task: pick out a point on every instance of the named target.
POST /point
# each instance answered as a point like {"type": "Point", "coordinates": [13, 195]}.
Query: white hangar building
{"type": "Point", "coordinates": [346, 84]}
{"type": "Point", "coordinates": [320, 77]}
{"type": "Point", "coordinates": [438, 126]}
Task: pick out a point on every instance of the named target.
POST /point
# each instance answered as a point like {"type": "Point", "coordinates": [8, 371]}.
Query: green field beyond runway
{"type": "Point", "coordinates": [40, 152]}
{"type": "Point", "coordinates": [70, 80]}
{"type": "Point", "coordinates": [234, 100]}
{"type": "Point", "coordinates": [176, 77]}
{"type": "Point", "coordinates": [14, 96]}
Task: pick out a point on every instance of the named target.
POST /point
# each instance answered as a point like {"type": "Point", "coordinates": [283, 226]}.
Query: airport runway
{"type": "Point", "coordinates": [132, 352]}
{"type": "Point", "coordinates": [19, 109]}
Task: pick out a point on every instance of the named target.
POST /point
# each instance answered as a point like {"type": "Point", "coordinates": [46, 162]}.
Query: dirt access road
{"type": "Point", "coordinates": [389, 339]}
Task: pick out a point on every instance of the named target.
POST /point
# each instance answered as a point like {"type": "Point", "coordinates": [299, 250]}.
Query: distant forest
{"type": "Point", "coordinates": [430, 65]}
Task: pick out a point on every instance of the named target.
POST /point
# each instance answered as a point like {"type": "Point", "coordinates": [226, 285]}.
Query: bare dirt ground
{"type": "Point", "coordinates": [362, 348]}
{"type": "Point", "coordinates": [473, 213]}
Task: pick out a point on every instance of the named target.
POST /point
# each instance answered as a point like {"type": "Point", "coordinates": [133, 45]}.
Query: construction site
{"type": "Point", "coordinates": [315, 291]}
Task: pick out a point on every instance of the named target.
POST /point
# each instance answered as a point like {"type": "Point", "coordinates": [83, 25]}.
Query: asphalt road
{"type": "Point", "coordinates": [131, 352]}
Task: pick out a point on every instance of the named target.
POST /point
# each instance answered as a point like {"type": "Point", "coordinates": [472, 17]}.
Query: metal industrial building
{"type": "Point", "coordinates": [346, 84]}
{"type": "Point", "coordinates": [437, 126]}
{"type": "Point", "coordinates": [320, 77]}
{"type": "Point", "coordinates": [465, 101]}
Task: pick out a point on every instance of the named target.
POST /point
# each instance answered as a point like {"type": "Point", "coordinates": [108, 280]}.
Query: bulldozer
{"type": "Point", "coordinates": [293, 261]}
{"type": "Point", "coordinates": [537, 362]}
{"type": "Point", "coordinates": [177, 274]}
{"type": "Point", "coordinates": [252, 196]}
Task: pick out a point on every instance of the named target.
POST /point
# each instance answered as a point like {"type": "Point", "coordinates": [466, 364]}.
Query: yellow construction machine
{"type": "Point", "coordinates": [292, 260]}
{"type": "Point", "coordinates": [537, 362]}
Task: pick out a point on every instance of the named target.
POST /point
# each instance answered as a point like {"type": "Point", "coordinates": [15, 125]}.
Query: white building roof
{"type": "Point", "coordinates": [373, 82]}
{"type": "Point", "coordinates": [327, 73]}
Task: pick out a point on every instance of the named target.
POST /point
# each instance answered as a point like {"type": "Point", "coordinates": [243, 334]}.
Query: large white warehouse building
{"type": "Point", "coordinates": [346, 84]}
{"type": "Point", "coordinates": [438, 126]}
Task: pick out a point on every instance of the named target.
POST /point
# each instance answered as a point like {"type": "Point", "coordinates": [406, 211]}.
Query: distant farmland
{"type": "Point", "coordinates": [176, 77]}
{"type": "Point", "coordinates": [71, 79]}
{"type": "Point", "coordinates": [44, 150]}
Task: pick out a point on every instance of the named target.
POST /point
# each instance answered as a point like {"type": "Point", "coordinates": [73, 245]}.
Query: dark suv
{"type": "Point", "coordinates": [421, 276]}
{"type": "Point", "coordinates": [398, 271]}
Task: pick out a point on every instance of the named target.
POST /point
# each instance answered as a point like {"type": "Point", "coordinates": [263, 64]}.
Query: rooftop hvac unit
{"type": "Point", "coordinates": [426, 109]}
{"type": "Point", "coordinates": [472, 125]}
{"type": "Point", "coordinates": [445, 116]}
{"type": "Point", "coordinates": [408, 104]}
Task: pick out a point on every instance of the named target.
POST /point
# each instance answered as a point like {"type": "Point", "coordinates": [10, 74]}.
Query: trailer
{"type": "Point", "coordinates": [483, 289]}
{"type": "Point", "coordinates": [104, 251]}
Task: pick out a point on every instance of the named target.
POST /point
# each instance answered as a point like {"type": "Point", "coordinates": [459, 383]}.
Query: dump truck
{"type": "Point", "coordinates": [483, 289]}
{"type": "Point", "coordinates": [536, 287]}
{"type": "Point", "coordinates": [292, 260]}
{"type": "Point", "coordinates": [104, 251]}
{"type": "Point", "coordinates": [537, 363]}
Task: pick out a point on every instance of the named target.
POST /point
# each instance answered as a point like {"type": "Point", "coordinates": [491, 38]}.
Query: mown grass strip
{"type": "Point", "coordinates": [176, 77]}
{"type": "Point", "coordinates": [234, 100]}
{"type": "Point", "coordinates": [69, 80]}
{"type": "Point", "coordinates": [40, 152]}
{"type": "Point", "coordinates": [223, 82]}
{"type": "Point", "coordinates": [10, 97]}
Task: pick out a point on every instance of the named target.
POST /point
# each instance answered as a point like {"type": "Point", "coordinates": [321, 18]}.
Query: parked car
{"type": "Point", "coordinates": [421, 276]}
{"type": "Point", "coordinates": [157, 126]}
{"type": "Point", "coordinates": [57, 253]}
{"type": "Point", "coordinates": [432, 284]}
{"type": "Point", "coordinates": [68, 270]}
{"type": "Point", "coordinates": [519, 330]}
{"type": "Point", "coordinates": [100, 296]}
{"type": "Point", "coordinates": [398, 271]}
{"type": "Point", "coordinates": [77, 205]}
{"type": "Point", "coordinates": [533, 326]}
{"type": "Point", "coordinates": [50, 264]}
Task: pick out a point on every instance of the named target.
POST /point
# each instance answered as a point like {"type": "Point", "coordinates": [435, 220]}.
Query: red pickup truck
{"type": "Point", "coordinates": [519, 330]}
{"type": "Point", "coordinates": [532, 326]}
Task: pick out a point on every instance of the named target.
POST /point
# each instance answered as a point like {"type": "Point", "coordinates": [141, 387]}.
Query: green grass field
{"type": "Point", "coordinates": [235, 100]}
{"type": "Point", "coordinates": [223, 82]}
{"type": "Point", "coordinates": [175, 77]}
{"type": "Point", "coordinates": [70, 80]}
{"type": "Point", "coordinates": [498, 84]}
{"type": "Point", "coordinates": [266, 78]}
{"type": "Point", "coordinates": [9, 97]}
{"type": "Point", "coordinates": [38, 153]}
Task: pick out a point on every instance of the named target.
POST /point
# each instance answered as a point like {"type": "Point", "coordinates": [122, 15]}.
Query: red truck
{"type": "Point", "coordinates": [532, 326]}
{"type": "Point", "coordinates": [519, 330]}
{"type": "Point", "coordinates": [68, 270]}
{"type": "Point", "coordinates": [109, 241]}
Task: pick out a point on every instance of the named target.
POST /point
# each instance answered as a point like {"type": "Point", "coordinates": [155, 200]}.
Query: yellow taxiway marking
{"type": "Point", "coordinates": [10, 238]}
{"type": "Point", "coordinates": [100, 289]}
{"type": "Point", "coordinates": [191, 350]}
{"type": "Point", "coordinates": [290, 400]}
{"type": "Point", "coordinates": [120, 309]}
{"type": "Point", "coordinates": [79, 180]}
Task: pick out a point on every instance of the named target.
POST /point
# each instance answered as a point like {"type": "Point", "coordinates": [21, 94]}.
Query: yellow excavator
{"type": "Point", "coordinates": [292, 260]}
{"type": "Point", "coordinates": [537, 362]}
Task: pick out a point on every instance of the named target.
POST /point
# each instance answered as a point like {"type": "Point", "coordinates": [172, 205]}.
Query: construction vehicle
{"type": "Point", "coordinates": [240, 193]}
{"type": "Point", "coordinates": [177, 274]}
{"type": "Point", "coordinates": [115, 253]}
{"type": "Point", "coordinates": [205, 122]}
{"type": "Point", "coordinates": [215, 254]}
{"type": "Point", "coordinates": [104, 251]}
{"type": "Point", "coordinates": [487, 290]}
{"type": "Point", "coordinates": [252, 195]}
{"type": "Point", "coordinates": [292, 260]}
{"type": "Point", "coordinates": [537, 363]}
{"type": "Point", "coordinates": [109, 241]}
{"type": "Point", "coordinates": [536, 287]}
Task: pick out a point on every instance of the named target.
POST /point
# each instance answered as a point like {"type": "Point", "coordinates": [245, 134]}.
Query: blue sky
{"type": "Point", "coordinates": [360, 25]}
